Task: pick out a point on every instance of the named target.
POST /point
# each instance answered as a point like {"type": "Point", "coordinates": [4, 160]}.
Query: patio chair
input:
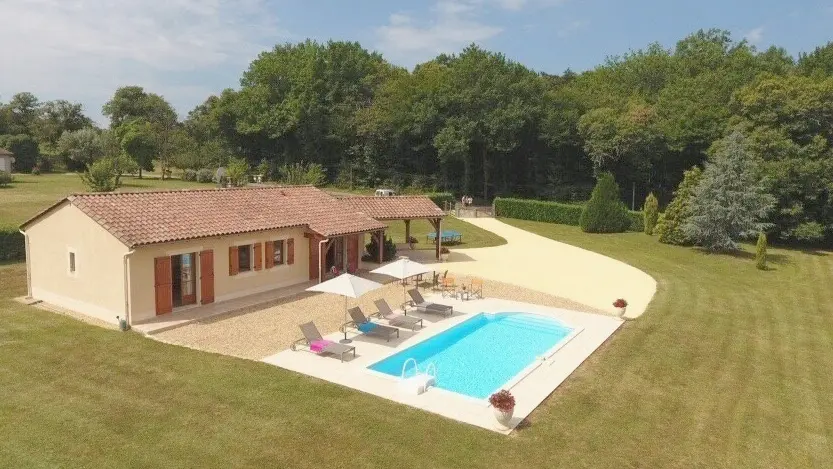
{"type": "Point", "coordinates": [449, 285]}
{"type": "Point", "coordinates": [319, 345]}
{"type": "Point", "coordinates": [477, 287]}
{"type": "Point", "coordinates": [368, 328]}
{"type": "Point", "coordinates": [418, 302]}
{"type": "Point", "coordinates": [399, 320]}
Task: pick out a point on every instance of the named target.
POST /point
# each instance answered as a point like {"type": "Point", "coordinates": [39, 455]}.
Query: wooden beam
{"type": "Point", "coordinates": [437, 222]}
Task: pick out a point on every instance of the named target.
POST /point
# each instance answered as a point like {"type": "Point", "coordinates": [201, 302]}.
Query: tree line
{"type": "Point", "coordinates": [481, 124]}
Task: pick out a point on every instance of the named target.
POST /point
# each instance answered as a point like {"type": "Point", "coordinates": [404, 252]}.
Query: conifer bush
{"type": "Point", "coordinates": [605, 212]}
{"type": "Point", "coordinates": [669, 227]}
{"type": "Point", "coordinates": [760, 252]}
{"type": "Point", "coordinates": [650, 213]}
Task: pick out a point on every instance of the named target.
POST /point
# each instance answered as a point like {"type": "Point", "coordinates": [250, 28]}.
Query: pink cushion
{"type": "Point", "coordinates": [318, 345]}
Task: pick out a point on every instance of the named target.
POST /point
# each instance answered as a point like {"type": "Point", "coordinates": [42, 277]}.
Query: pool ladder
{"type": "Point", "coordinates": [419, 382]}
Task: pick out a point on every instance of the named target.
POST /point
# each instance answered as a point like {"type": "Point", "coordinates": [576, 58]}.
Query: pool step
{"type": "Point", "coordinates": [532, 323]}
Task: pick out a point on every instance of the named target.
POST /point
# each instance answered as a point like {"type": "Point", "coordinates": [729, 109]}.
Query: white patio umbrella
{"type": "Point", "coordinates": [402, 269]}
{"type": "Point", "coordinates": [348, 286]}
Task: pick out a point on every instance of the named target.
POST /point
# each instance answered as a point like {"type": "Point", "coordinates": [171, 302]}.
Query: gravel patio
{"type": "Point", "coordinates": [266, 329]}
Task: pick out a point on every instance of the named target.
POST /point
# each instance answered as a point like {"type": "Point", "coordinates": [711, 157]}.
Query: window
{"type": "Point", "coordinates": [277, 255]}
{"type": "Point", "coordinates": [72, 262]}
{"type": "Point", "coordinates": [244, 258]}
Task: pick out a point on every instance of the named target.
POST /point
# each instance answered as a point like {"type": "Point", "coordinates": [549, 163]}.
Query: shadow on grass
{"type": "Point", "coordinates": [745, 255]}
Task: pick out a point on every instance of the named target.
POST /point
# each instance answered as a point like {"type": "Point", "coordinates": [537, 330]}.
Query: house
{"type": "Point", "coordinates": [6, 160]}
{"type": "Point", "coordinates": [142, 254]}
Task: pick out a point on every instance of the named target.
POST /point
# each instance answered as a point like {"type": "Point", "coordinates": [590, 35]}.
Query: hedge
{"type": "Point", "coordinates": [440, 198]}
{"type": "Point", "coordinates": [538, 210]}
{"type": "Point", "coordinates": [552, 212]}
{"type": "Point", "coordinates": [12, 245]}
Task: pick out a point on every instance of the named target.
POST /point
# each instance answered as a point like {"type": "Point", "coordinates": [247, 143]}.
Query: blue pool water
{"type": "Point", "coordinates": [479, 355]}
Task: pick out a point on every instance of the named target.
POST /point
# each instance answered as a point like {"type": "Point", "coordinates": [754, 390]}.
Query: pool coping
{"type": "Point", "coordinates": [513, 380]}
{"type": "Point", "coordinates": [530, 386]}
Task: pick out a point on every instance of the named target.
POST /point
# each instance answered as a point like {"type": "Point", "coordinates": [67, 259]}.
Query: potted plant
{"type": "Point", "coordinates": [503, 406]}
{"type": "Point", "coordinates": [444, 253]}
{"type": "Point", "coordinates": [620, 306]}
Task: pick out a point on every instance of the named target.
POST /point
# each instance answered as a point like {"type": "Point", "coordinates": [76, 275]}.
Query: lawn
{"type": "Point", "coordinates": [473, 236]}
{"type": "Point", "coordinates": [729, 367]}
{"type": "Point", "coordinates": [29, 194]}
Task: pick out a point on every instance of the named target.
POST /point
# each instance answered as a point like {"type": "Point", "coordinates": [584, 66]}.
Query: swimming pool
{"type": "Point", "coordinates": [481, 354]}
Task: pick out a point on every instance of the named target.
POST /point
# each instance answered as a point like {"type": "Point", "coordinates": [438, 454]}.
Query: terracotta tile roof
{"type": "Point", "coordinates": [138, 218]}
{"type": "Point", "coordinates": [396, 207]}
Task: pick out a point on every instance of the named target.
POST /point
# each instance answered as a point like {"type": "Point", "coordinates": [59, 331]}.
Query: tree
{"type": "Point", "coordinates": [25, 149]}
{"type": "Point", "coordinates": [23, 111]}
{"type": "Point", "coordinates": [81, 146]}
{"type": "Point", "coordinates": [100, 176]}
{"type": "Point", "coordinates": [760, 252]}
{"type": "Point", "coordinates": [650, 212]}
{"type": "Point", "coordinates": [58, 117]}
{"type": "Point", "coordinates": [730, 201]}
{"type": "Point", "coordinates": [605, 212]}
{"type": "Point", "coordinates": [669, 227]}
{"type": "Point", "coordinates": [139, 142]}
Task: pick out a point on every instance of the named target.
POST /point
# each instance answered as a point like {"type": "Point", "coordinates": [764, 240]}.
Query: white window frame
{"type": "Point", "coordinates": [72, 262]}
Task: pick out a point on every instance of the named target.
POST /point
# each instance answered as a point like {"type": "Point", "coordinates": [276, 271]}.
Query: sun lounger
{"type": "Point", "coordinates": [418, 302]}
{"type": "Point", "coordinates": [319, 345]}
{"type": "Point", "coordinates": [368, 328]}
{"type": "Point", "coordinates": [399, 320]}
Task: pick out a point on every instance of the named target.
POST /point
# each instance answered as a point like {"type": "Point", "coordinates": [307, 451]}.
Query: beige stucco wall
{"type": "Point", "coordinates": [6, 163]}
{"type": "Point", "coordinates": [142, 294]}
{"type": "Point", "coordinates": [97, 286]}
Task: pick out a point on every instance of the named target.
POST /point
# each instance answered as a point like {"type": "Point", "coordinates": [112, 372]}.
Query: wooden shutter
{"type": "Point", "coordinates": [233, 261]}
{"type": "Point", "coordinates": [207, 276]}
{"type": "Point", "coordinates": [270, 254]}
{"type": "Point", "coordinates": [258, 253]}
{"type": "Point", "coordinates": [352, 253]}
{"type": "Point", "coordinates": [163, 284]}
{"type": "Point", "coordinates": [290, 251]}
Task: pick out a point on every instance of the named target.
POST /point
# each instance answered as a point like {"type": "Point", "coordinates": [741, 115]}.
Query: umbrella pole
{"type": "Point", "coordinates": [345, 340]}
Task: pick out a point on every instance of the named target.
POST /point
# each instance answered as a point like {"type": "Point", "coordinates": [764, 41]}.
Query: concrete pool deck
{"type": "Point", "coordinates": [545, 375]}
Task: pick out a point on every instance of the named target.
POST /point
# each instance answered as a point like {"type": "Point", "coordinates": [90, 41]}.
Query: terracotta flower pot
{"type": "Point", "coordinates": [503, 417]}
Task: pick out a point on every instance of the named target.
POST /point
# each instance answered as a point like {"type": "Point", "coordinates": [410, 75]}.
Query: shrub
{"type": "Point", "coordinates": [264, 169]}
{"type": "Point", "coordinates": [302, 173]}
{"type": "Point", "coordinates": [36, 170]}
{"type": "Point", "coordinates": [605, 212]}
{"type": "Point", "coordinates": [760, 251]}
{"type": "Point", "coordinates": [502, 400]}
{"type": "Point", "coordinates": [12, 244]}
{"type": "Point", "coordinates": [189, 175]}
{"type": "Point", "coordinates": [650, 213]}
{"type": "Point", "coordinates": [100, 176]}
{"type": "Point", "coordinates": [205, 175]}
{"type": "Point", "coordinates": [6, 178]}
{"type": "Point", "coordinates": [809, 232]}
{"type": "Point", "coordinates": [669, 227]}
{"type": "Point", "coordinates": [389, 251]}
{"type": "Point", "coordinates": [441, 198]}
{"type": "Point", "coordinates": [538, 210]}
{"type": "Point", "coordinates": [237, 172]}
{"type": "Point", "coordinates": [636, 221]}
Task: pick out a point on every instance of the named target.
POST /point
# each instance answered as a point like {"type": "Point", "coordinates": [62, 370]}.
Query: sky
{"type": "Point", "coordinates": [186, 50]}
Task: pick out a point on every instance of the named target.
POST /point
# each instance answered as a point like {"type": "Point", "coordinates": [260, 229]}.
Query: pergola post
{"type": "Point", "coordinates": [437, 223]}
{"type": "Point", "coordinates": [381, 246]}
{"type": "Point", "coordinates": [408, 232]}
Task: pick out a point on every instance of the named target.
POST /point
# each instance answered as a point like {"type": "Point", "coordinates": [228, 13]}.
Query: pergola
{"type": "Point", "coordinates": [405, 208]}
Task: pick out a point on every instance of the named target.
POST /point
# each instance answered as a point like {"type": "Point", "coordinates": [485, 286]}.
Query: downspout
{"type": "Point", "coordinates": [127, 286]}
{"type": "Point", "coordinates": [28, 263]}
{"type": "Point", "coordinates": [320, 256]}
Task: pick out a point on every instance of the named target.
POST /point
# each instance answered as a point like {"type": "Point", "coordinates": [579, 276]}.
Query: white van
{"type": "Point", "coordinates": [385, 192]}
